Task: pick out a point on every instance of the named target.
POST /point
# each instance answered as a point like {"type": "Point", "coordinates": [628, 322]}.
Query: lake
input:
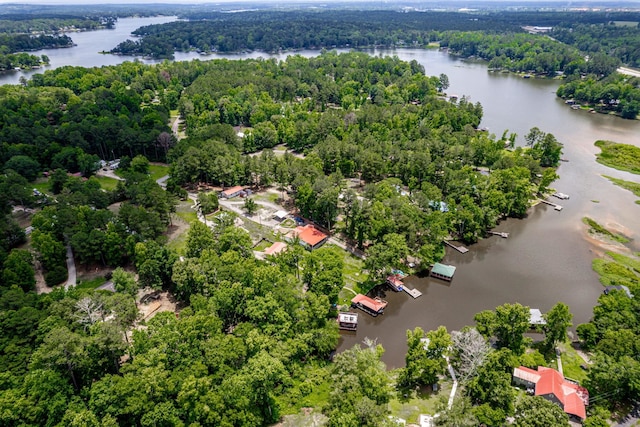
{"type": "Point", "coordinates": [547, 257]}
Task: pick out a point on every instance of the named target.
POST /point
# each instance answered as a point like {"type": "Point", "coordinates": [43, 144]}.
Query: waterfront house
{"type": "Point", "coordinates": [443, 271]}
{"type": "Point", "coordinates": [554, 387]}
{"type": "Point", "coordinates": [536, 318]}
{"type": "Point", "coordinates": [373, 306]}
{"type": "Point", "coordinates": [310, 237]}
{"type": "Point", "coordinates": [348, 321]}
{"type": "Point", "coordinates": [395, 281]}
{"type": "Point", "coordinates": [232, 192]}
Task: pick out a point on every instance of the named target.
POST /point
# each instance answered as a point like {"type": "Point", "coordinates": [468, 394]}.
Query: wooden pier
{"type": "Point", "coordinates": [556, 207]}
{"type": "Point", "coordinates": [460, 249]}
{"type": "Point", "coordinates": [413, 292]}
{"type": "Point", "coordinates": [499, 233]}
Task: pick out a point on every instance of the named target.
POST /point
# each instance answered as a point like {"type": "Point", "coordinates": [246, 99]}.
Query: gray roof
{"type": "Point", "coordinates": [535, 317]}
{"type": "Point", "coordinates": [443, 269]}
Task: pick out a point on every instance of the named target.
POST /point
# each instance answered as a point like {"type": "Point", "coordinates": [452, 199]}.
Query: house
{"type": "Point", "coordinates": [348, 321]}
{"type": "Point", "coordinates": [373, 306]}
{"type": "Point", "coordinates": [536, 318]}
{"type": "Point", "coordinates": [443, 271]}
{"type": "Point", "coordinates": [276, 248]}
{"type": "Point", "coordinates": [552, 385]}
{"type": "Point", "coordinates": [232, 192]}
{"type": "Point", "coordinates": [310, 237]}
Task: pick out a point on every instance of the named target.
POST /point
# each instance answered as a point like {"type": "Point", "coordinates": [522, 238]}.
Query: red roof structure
{"type": "Point", "coordinates": [230, 192]}
{"type": "Point", "coordinates": [370, 305]}
{"type": "Point", "coordinates": [310, 235]}
{"type": "Point", "coordinates": [276, 248]}
{"type": "Point", "coordinates": [552, 385]}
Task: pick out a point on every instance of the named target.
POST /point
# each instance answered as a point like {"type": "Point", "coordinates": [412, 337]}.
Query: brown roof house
{"type": "Point", "coordinates": [552, 385]}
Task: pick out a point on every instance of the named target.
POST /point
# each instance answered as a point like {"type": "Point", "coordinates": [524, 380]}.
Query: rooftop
{"type": "Point", "coordinates": [276, 248]}
{"type": "Point", "coordinates": [232, 190]}
{"type": "Point", "coordinates": [309, 234]}
{"type": "Point", "coordinates": [376, 305]}
{"type": "Point", "coordinates": [549, 381]}
{"type": "Point", "coordinates": [443, 269]}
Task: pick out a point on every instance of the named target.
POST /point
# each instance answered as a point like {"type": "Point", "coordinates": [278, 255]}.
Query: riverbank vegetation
{"type": "Point", "coordinates": [616, 93]}
{"type": "Point", "coordinates": [634, 187]}
{"type": "Point", "coordinates": [596, 228]}
{"type": "Point", "coordinates": [623, 157]}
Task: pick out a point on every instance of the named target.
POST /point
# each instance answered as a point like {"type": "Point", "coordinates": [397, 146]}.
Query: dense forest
{"type": "Point", "coordinates": [616, 93]}
{"type": "Point", "coordinates": [368, 148]}
{"type": "Point", "coordinates": [497, 37]}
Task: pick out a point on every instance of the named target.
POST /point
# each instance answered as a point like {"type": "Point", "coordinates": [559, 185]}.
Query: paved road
{"type": "Point", "coordinates": [71, 268]}
{"type": "Point", "coordinates": [629, 71]}
{"type": "Point", "coordinates": [632, 419]}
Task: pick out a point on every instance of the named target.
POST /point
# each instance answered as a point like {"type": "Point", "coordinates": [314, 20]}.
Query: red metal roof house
{"type": "Point", "coordinates": [552, 385]}
{"type": "Point", "coordinates": [310, 237]}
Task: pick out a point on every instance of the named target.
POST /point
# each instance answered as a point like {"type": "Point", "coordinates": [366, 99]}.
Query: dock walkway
{"type": "Point", "coordinates": [460, 249]}
{"type": "Point", "coordinates": [499, 233]}
{"type": "Point", "coordinates": [413, 292]}
{"type": "Point", "coordinates": [556, 207]}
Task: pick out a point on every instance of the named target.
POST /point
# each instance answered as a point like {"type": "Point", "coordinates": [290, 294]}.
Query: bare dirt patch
{"type": "Point", "coordinates": [157, 303]}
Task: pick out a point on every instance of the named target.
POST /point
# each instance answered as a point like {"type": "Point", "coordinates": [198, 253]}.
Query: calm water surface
{"type": "Point", "coordinates": [547, 257]}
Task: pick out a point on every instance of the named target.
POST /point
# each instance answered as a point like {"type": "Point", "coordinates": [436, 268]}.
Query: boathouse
{"type": "Point", "coordinates": [395, 281]}
{"type": "Point", "coordinates": [373, 306]}
{"type": "Point", "coordinates": [348, 321]}
{"type": "Point", "coordinates": [443, 271]}
{"type": "Point", "coordinates": [553, 386]}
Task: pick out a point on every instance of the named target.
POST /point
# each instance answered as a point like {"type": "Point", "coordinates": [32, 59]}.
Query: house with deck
{"type": "Point", "coordinates": [554, 387]}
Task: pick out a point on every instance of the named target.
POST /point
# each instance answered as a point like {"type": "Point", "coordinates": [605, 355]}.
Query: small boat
{"type": "Point", "coordinates": [561, 196]}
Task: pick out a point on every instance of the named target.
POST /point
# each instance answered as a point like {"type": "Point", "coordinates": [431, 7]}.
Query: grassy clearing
{"type": "Point", "coordinates": [353, 272]}
{"type": "Point", "coordinates": [634, 187]}
{"type": "Point", "coordinates": [410, 407]}
{"type": "Point", "coordinates": [596, 228]}
{"type": "Point", "coordinates": [158, 171]}
{"type": "Point", "coordinates": [91, 284]}
{"type": "Point", "coordinates": [571, 363]}
{"type": "Point", "coordinates": [42, 185]}
{"type": "Point", "coordinates": [631, 262]}
{"type": "Point", "coordinates": [106, 183]}
{"type": "Point", "coordinates": [264, 244]}
{"type": "Point", "coordinates": [623, 157]}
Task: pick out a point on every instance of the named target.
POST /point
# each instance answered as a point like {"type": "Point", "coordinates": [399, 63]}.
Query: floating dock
{"type": "Point", "coordinates": [460, 249]}
{"type": "Point", "coordinates": [556, 207]}
{"type": "Point", "coordinates": [499, 233]}
{"type": "Point", "coordinates": [413, 292]}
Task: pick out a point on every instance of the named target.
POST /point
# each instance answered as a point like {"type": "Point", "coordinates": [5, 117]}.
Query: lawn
{"type": "Point", "coordinates": [419, 402]}
{"type": "Point", "coordinates": [571, 362]}
{"type": "Point", "coordinates": [158, 171]}
{"type": "Point", "coordinates": [106, 183]}
{"type": "Point", "coordinates": [91, 284]}
{"type": "Point", "coordinates": [42, 185]}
